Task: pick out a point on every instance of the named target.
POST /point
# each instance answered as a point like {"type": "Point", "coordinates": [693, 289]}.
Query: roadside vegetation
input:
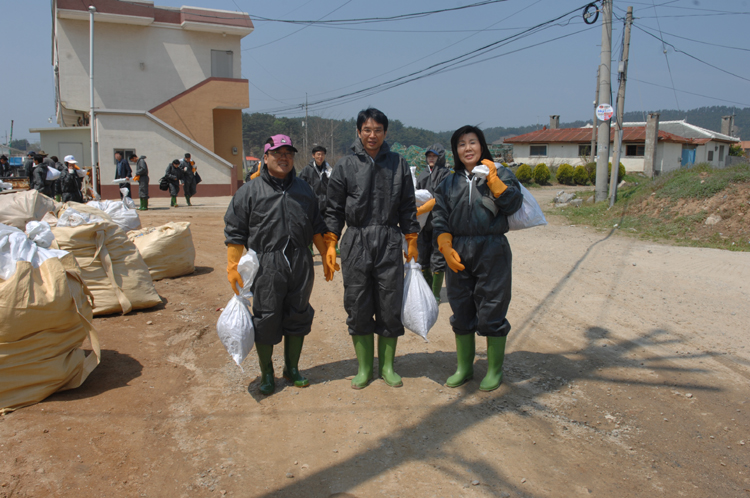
{"type": "Point", "coordinates": [700, 206]}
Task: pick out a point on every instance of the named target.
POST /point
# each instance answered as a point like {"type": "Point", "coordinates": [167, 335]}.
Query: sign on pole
{"type": "Point", "coordinates": [604, 112]}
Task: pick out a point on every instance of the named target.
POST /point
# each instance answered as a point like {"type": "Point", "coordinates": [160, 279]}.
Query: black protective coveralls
{"type": "Point", "coordinates": [277, 219]}
{"type": "Point", "coordinates": [317, 178]}
{"type": "Point", "coordinates": [188, 178]}
{"type": "Point", "coordinates": [70, 186]}
{"type": "Point", "coordinates": [376, 200]}
{"type": "Point", "coordinates": [429, 256]}
{"type": "Point", "coordinates": [479, 295]}
{"type": "Point", "coordinates": [173, 175]}
{"type": "Point", "coordinates": [39, 180]}
{"type": "Point", "coordinates": [141, 170]}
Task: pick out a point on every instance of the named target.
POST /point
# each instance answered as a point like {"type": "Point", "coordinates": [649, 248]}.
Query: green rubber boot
{"type": "Point", "coordinates": [427, 274]}
{"type": "Point", "coordinates": [173, 203]}
{"type": "Point", "coordinates": [364, 347]}
{"type": "Point", "coordinates": [495, 358]}
{"type": "Point", "coordinates": [465, 355]}
{"type": "Point", "coordinates": [142, 207]}
{"type": "Point", "coordinates": [265, 359]}
{"type": "Point", "coordinates": [187, 200]}
{"type": "Point", "coordinates": [292, 350]}
{"type": "Point", "coordinates": [437, 284]}
{"type": "Point", "coordinates": [386, 354]}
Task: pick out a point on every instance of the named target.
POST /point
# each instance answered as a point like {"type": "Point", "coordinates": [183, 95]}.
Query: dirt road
{"type": "Point", "coordinates": [627, 374]}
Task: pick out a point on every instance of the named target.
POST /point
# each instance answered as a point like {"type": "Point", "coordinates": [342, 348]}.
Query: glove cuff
{"type": "Point", "coordinates": [234, 253]}
{"type": "Point", "coordinates": [444, 240]}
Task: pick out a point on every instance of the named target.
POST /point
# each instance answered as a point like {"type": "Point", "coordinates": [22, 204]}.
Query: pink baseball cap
{"type": "Point", "coordinates": [279, 141]}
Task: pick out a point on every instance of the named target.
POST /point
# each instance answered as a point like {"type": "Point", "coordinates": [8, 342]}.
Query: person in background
{"type": "Point", "coordinates": [28, 165]}
{"type": "Point", "coordinates": [433, 263]}
{"type": "Point", "coordinates": [141, 176]}
{"type": "Point", "coordinates": [71, 180]}
{"type": "Point", "coordinates": [372, 191]}
{"type": "Point", "coordinates": [123, 171]}
{"type": "Point", "coordinates": [469, 221]}
{"type": "Point", "coordinates": [316, 174]}
{"type": "Point", "coordinates": [277, 216]}
{"type": "Point", "coordinates": [188, 177]}
{"type": "Point", "coordinates": [5, 170]}
{"type": "Point", "coordinates": [174, 176]}
{"type": "Point", "coordinates": [39, 180]}
{"type": "Point", "coordinates": [56, 185]}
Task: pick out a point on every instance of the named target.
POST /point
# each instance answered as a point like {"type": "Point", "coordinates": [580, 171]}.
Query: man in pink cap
{"type": "Point", "coordinates": [277, 216]}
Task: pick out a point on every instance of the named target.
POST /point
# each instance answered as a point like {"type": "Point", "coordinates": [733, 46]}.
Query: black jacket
{"type": "Point", "coordinates": [187, 171]}
{"type": "Point", "coordinates": [429, 180]}
{"type": "Point", "coordinates": [39, 180]}
{"type": "Point", "coordinates": [269, 214]}
{"type": "Point", "coordinates": [70, 186]}
{"type": "Point", "coordinates": [363, 192]}
{"type": "Point", "coordinates": [464, 205]}
{"type": "Point", "coordinates": [317, 178]}
{"type": "Point", "coordinates": [123, 169]}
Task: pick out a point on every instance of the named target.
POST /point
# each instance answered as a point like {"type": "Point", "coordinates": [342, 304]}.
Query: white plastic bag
{"type": "Point", "coordinates": [15, 246]}
{"type": "Point", "coordinates": [419, 311]}
{"type": "Point", "coordinates": [235, 325]}
{"type": "Point", "coordinates": [126, 217]}
{"type": "Point", "coordinates": [72, 218]}
{"type": "Point", "coordinates": [422, 196]}
{"type": "Point", "coordinates": [40, 233]}
{"type": "Point", "coordinates": [52, 174]}
{"type": "Point", "coordinates": [530, 214]}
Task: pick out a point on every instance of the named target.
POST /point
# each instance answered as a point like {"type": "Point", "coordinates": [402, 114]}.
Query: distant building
{"type": "Point", "coordinates": [167, 81]}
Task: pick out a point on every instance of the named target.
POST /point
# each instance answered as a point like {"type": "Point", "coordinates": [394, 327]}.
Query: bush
{"type": "Point", "coordinates": [523, 173]}
{"type": "Point", "coordinates": [580, 175]}
{"type": "Point", "coordinates": [565, 174]}
{"type": "Point", "coordinates": [591, 168]}
{"type": "Point", "coordinates": [621, 172]}
{"type": "Point", "coordinates": [541, 174]}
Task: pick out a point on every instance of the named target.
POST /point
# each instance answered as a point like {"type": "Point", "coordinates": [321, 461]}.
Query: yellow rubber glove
{"type": "Point", "coordinates": [495, 184]}
{"type": "Point", "coordinates": [234, 253]}
{"type": "Point", "coordinates": [136, 178]}
{"type": "Point", "coordinates": [255, 175]}
{"type": "Point", "coordinates": [320, 243]}
{"type": "Point", "coordinates": [426, 207]}
{"type": "Point", "coordinates": [452, 259]}
{"type": "Point", "coordinates": [330, 239]}
{"type": "Point", "coordinates": [411, 240]}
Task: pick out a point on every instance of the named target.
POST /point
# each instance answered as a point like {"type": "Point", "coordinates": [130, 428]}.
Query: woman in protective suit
{"type": "Point", "coordinates": [469, 222]}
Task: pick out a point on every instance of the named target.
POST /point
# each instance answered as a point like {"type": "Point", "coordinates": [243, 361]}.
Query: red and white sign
{"type": "Point", "coordinates": [604, 112]}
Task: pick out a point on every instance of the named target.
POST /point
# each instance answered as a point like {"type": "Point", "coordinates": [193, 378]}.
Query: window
{"type": "Point", "coordinates": [221, 64]}
{"type": "Point", "coordinates": [125, 153]}
{"type": "Point", "coordinates": [721, 153]}
{"type": "Point", "coordinates": [538, 150]}
{"type": "Point", "coordinates": [584, 150]}
{"type": "Point", "coordinates": [710, 155]}
{"type": "Point", "coordinates": [635, 150]}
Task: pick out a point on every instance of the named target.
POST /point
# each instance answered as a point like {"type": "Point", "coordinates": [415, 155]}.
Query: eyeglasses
{"type": "Point", "coordinates": [282, 153]}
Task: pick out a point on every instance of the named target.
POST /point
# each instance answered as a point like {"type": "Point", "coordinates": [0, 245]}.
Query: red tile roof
{"type": "Point", "coordinates": [583, 135]}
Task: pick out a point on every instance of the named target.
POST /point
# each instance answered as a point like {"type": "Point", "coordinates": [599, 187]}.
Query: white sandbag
{"type": "Point", "coordinates": [40, 233]}
{"type": "Point", "coordinates": [235, 325]}
{"type": "Point", "coordinates": [44, 319]}
{"type": "Point", "coordinates": [529, 215]}
{"type": "Point", "coordinates": [167, 250]}
{"type": "Point", "coordinates": [72, 218]}
{"type": "Point", "coordinates": [111, 266]}
{"type": "Point", "coordinates": [53, 174]}
{"type": "Point", "coordinates": [15, 246]}
{"type": "Point", "coordinates": [422, 196]}
{"type": "Point", "coordinates": [6, 186]}
{"type": "Point", "coordinates": [120, 213]}
{"type": "Point", "coordinates": [419, 310]}
{"type": "Point", "coordinates": [19, 208]}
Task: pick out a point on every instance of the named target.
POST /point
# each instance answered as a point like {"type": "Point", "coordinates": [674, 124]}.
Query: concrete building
{"type": "Point", "coordinates": [166, 81]}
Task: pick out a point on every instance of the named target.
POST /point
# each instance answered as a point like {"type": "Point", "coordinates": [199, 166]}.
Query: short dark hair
{"type": "Point", "coordinates": [176, 161]}
{"type": "Point", "coordinates": [486, 154]}
{"type": "Point", "coordinates": [187, 154]}
{"type": "Point", "coordinates": [54, 158]}
{"type": "Point", "coordinates": [4, 157]}
{"type": "Point", "coordinates": [38, 157]}
{"type": "Point", "coordinates": [319, 148]}
{"type": "Point", "coordinates": [373, 113]}
{"type": "Point", "coordinates": [133, 156]}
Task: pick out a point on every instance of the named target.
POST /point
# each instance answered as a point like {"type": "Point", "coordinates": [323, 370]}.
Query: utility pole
{"type": "Point", "coordinates": [11, 135]}
{"type": "Point", "coordinates": [331, 139]}
{"type": "Point", "coordinates": [92, 9]}
{"type": "Point", "coordinates": [593, 123]}
{"type": "Point", "coordinates": [623, 76]}
{"type": "Point", "coordinates": [307, 124]}
{"type": "Point", "coordinates": [602, 136]}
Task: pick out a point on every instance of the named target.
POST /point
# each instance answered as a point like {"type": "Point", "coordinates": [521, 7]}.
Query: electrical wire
{"type": "Point", "coordinates": [691, 93]}
{"type": "Point", "coordinates": [664, 48]}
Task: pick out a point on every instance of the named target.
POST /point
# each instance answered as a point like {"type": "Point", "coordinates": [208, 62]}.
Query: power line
{"type": "Point", "coordinates": [691, 93]}
{"type": "Point", "coordinates": [664, 48]}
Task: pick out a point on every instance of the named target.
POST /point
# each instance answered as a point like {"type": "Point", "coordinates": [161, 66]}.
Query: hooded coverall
{"type": "Point", "coordinates": [70, 186]}
{"type": "Point", "coordinates": [141, 171]}
{"type": "Point", "coordinates": [429, 256]}
{"type": "Point", "coordinates": [188, 178]}
{"type": "Point", "coordinates": [376, 200]}
{"type": "Point", "coordinates": [39, 180]}
{"type": "Point", "coordinates": [479, 295]}
{"type": "Point", "coordinates": [277, 219]}
{"type": "Point", "coordinates": [174, 175]}
{"type": "Point", "coordinates": [317, 178]}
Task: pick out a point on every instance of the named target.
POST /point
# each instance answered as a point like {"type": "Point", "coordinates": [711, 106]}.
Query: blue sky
{"type": "Point", "coordinates": [521, 82]}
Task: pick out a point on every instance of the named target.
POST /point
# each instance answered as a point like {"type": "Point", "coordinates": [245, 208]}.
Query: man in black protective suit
{"type": "Point", "coordinates": [188, 177]}
{"type": "Point", "coordinates": [316, 174]}
{"type": "Point", "coordinates": [433, 263]}
{"type": "Point", "coordinates": [373, 192]}
{"type": "Point", "coordinates": [141, 176]}
{"type": "Point", "coordinates": [277, 216]}
{"type": "Point", "coordinates": [38, 179]}
{"type": "Point", "coordinates": [173, 174]}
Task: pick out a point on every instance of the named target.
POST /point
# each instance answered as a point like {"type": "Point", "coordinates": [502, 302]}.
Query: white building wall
{"type": "Point", "coordinates": [558, 154]}
{"type": "Point", "coordinates": [62, 141]}
{"type": "Point", "coordinates": [668, 157]}
{"type": "Point", "coordinates": [160, 60]}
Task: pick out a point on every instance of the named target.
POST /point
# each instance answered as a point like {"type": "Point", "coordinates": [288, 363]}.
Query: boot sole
{"type": "Point", "coordinates": [306, 384]}
{"type": "Point", "coordinates": [466, 379]}
{"type": "Point", "coordinates": [400, 384]}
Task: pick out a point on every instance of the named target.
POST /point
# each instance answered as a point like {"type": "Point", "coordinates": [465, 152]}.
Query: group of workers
{"type": "Point", "coordinates": [371, 191]}
{"type": "Point", "coordinates": [61, 180]}
{"type": "Point", "coordinates": [178, 172]}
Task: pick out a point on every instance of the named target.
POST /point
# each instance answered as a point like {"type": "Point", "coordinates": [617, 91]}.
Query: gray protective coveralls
{"type": "Point", "coordinates": [465, 207]}
{"type": "Point", "coordinates": [188, 178]}
{"type": "Point", "coordinates": [39, 180]}
{"type": "Point", "coordinates": [277, 219]}
{"type": "Point", "coordinates": [429, 256]}
{"type": "Point", "coordinates": [174, 175]}
{"type": "Point", "coordinates": [376, 200]}
{"type": "Point", "coordinates": [317, 178]}
{"type": "Point", "coordinates": [141, 171]}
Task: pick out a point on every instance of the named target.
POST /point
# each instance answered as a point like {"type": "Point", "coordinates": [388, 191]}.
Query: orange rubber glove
{"type": "Point", "coordinates": [495, 184]}
{"type": "Point", "coordinates": [452, 259]}
{"type": "Point", "coordinates": [320, 243]}
{"type": "Point", "coordinates": [413, 252]}
{"type": "Point", "coordinates": [234, 253]}
{"type": "Point", "coordinates": [330, 239]}
{"type": "Point", "coordinates": [426, 207]}
{"type": "Point", "coordinates": [255, 175]}
{"type": "Point", "coordinates": [136, 178]}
